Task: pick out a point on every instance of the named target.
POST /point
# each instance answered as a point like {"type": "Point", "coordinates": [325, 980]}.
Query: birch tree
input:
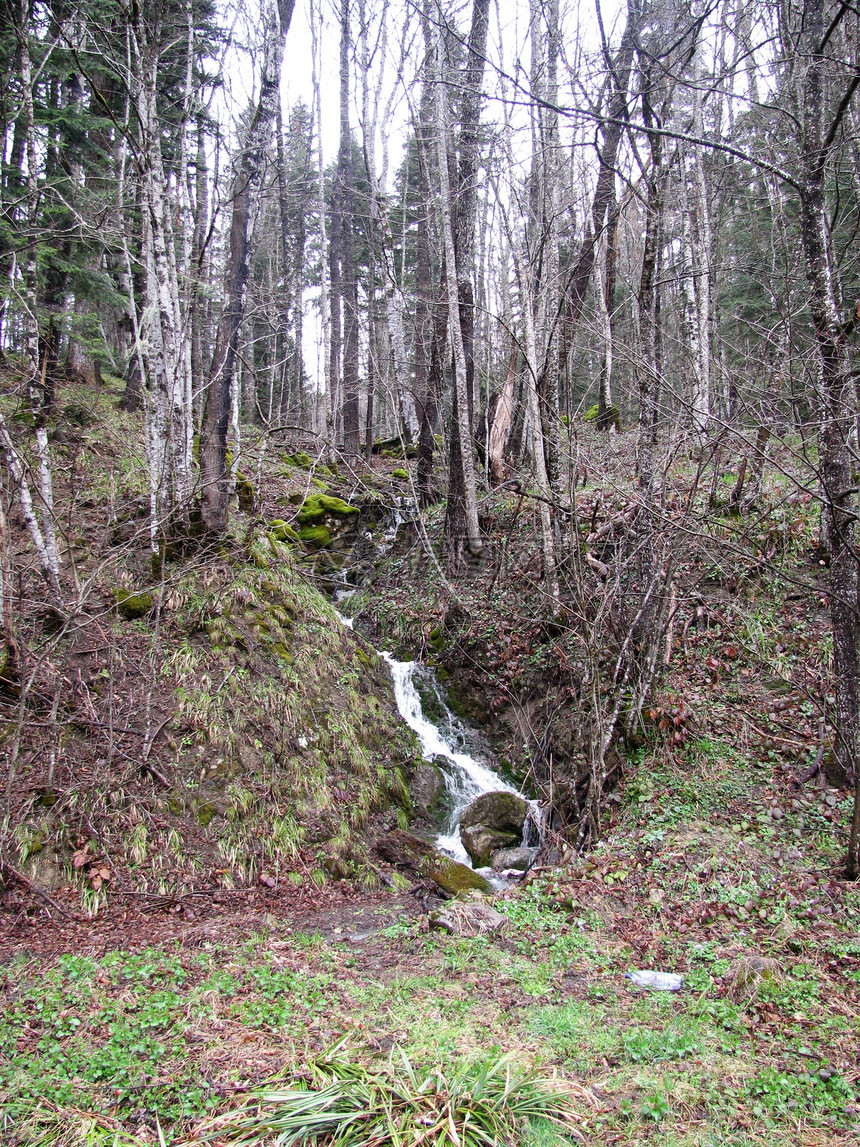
{"type": "Point", "coordinates": [246, 183]}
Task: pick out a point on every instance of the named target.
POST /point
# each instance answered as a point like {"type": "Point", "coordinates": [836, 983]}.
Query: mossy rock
{"type": "Point", "coordinates": [321, 486]}
{"type": "Point", "coordinates": [132, 605]}
{"type": "Point", "coordinates": [300, 459]}
{"type": "Point", "coordinates": [320, 506]}
{"type": "Point", "coordinates": [205, 812]}
{"type": "Point", "coordinates": [436, 639]}
{"type": "Point", "coordinates": [407, 851]}
{"type": "Point", "coordinates": [282, 531]}
{"type": "Point", "coordinates": [400, 475]}
{"type": "Point", "coordinates": [317, 536]}
{"type": "Point", "coordinates": [612, 417]}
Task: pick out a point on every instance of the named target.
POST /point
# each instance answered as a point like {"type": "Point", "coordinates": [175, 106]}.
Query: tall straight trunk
{"type": "Point", "coordinates": [38, 397]}
{"type": "Point", "coordinates": [382, 238]}
{"type": "Point", "coordinates": [213, 453]}
{"type": "Point", "coordinates": [699, 212]}
{"type": "Point", "coordinates": [459, 216]}
{"type": "Point", "coordinates": [329, 374]}
{"type": "Point", "coordinates": [536, 438]}
{"type": "Point", "coordinates": [167, 350]}
{"type": "Point", "coordinates": [839, 502]}
{"type": "Point", "coordinates": [465, 499]}
{"type": "Point", "coordinates": [606, 310]}
{"type": "Point", "coordinates": [604, 190]}
{"type": "Point", "coordinates": [648, 364]}
{"type": "Point", "coordinates": [431, 316]}
{"type": "Point", "coordinates": [199, 265]}
{"type": "Point", "coordinates": [349, 282]}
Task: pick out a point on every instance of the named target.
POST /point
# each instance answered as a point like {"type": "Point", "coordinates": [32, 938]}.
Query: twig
{"type": "Point", "coordinates": [31, 887]}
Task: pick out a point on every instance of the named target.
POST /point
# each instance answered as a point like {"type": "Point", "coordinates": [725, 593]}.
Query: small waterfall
{"type": "Point", "coordinates": [465, 777]}
{"type": "Point", "coordinates": [445, 740]}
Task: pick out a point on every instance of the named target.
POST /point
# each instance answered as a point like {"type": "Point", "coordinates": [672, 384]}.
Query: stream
{"type": "Point", "coordinates": [448, 742]}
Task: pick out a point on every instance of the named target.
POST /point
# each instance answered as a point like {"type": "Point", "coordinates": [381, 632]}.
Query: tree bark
{"type": "Point", "coordinates": [839, 503]}
{"type": "Point", "coordinates": [349, 283]}
{"type": "Point", "coordinates": [213, 453]}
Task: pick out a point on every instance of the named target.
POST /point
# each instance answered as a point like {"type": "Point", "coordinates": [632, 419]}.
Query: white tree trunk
{"type": "Point", "coordinates": [473, 533]}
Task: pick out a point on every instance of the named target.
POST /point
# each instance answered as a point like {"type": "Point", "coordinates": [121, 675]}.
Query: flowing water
{"type": "Point", "coordinates": [449, 743]}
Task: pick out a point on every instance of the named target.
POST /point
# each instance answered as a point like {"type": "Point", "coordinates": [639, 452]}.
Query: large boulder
{"type": "Point", "coordinates": [472, 918]}
{"type": "Point", "coordinates": [419, 856]}
{"type": "Point", "coordinates": [513, 859]}
{"type": "Point", "coordinates": [492, 822]}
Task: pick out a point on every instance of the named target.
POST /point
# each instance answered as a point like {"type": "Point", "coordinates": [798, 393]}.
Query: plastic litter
{"type": "Point", "coordinates": [659, 981]}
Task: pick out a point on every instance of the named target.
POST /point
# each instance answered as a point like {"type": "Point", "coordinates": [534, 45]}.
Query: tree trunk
{"type": "Point", "coordinates": [213, 453]}
{"type": "Point", "coordinates": [834, 383]}
{"type": "Point", "coordinates": [462, 503]}
{"type": "Point", "coordinates": [458, 221]}
{"type": "Point", "coordinates": [349, 283]}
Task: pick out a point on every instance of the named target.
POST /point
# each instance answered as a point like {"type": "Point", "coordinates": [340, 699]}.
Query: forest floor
{"type": "Point", "coordinates": [111, 1023]}
{"type": "Point", "coordinates": [176, 999]}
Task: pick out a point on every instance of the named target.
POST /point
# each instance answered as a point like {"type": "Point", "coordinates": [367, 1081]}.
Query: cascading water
{"type": "Point", "coordinates": [445, 740]}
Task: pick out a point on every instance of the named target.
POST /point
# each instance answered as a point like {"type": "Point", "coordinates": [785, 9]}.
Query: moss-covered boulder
{"type": "Point", "coordinates": [400, 474]}
{"type": "Point", "coordinates": [300, 459]}
{"type": "Point", "coordinates": [318, 507]}
{"type": "Point", "coordinates": [316, 536]}
{"type": "Point", "coordinates": [419, 856]}
{"type": "Point", "coordinates": [132, 605]}
{"type": "Point", "coordinates": [611, 418]}
{"type": "Point", "coordinates": [245, 493]}
{"type": "Point", "coordinates": [282, 531]}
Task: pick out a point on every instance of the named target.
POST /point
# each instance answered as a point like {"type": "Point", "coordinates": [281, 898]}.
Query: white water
{"type": "Point", "coordinates": [465, 777]}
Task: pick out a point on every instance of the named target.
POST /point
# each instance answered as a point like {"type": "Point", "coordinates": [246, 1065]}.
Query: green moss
{"type": "Point", "coordinates": [316, 536]}
{"type": "Point", "coordinates": [300, 459]}
{"type": "Point", "coordinates": [613, 415]}
{"type": "Point", "coordinates": [320, 506]}
{"type": "Point", "coordinates": [282, 531]}
{"type": "Point", "coordinates": [205, 812]}
{"type": "Point", "coordinates": [322, 486]}
{"type": "Point", "coordinates": [436, 639]}
{"type": "Point", "coordinates": [132, 605]}
{"type": "Point", "coordinates": [400, 475]}
{"type": "Point", "coordinates": [362, 658]}
{"type": "Point", "coordinates": [453, 876]}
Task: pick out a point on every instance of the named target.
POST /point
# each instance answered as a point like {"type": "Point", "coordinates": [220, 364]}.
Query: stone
{"type": "Point", "coordinates": [427, 789]}
{"type": "Point", "coordinates": [504, 811]}
{"type": "Point", "coordinates": [491, 822]}
{"type": "Point", "coordinates": [133, 605]}
{"type": "Point", "coordinates": [518, 859]}
{"type": "Point", "coordinates": [470, 918]}
{"type": "Point", "coordinates": [481, 842]}
{"type": "Point", "coordinates": [411, 852]}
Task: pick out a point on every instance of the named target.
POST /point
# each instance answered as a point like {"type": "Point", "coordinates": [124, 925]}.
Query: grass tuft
{"type": "Point", "coordinates": [480, 1104]}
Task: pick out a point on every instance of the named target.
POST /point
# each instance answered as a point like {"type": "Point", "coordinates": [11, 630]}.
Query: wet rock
{"type": "Point", "coordinates": [427, 789]}
{"type": "Point", "coordinates": [518, 859]}
{"type": "Point", "coordinates": [481, 842]}
{"type": "Point", "coordinates": [419, 856]}
{"type": "Point", "coordinates": [492, 822]}
{"type": "Point", "coordinates": [471, 918]}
